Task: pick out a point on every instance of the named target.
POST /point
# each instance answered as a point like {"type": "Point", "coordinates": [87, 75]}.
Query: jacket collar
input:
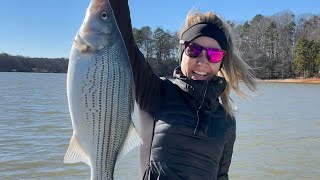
{"type": "Point", "coordinates": [200, 94]}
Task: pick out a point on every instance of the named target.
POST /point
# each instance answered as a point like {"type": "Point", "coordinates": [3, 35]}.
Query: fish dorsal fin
{"type": "Point", "coordinates": [132, 140]}
{"type": "Point", "coordinates": [75, 153]}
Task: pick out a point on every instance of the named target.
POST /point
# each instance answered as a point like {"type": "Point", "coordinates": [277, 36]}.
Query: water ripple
{"type": "Point", "coordinates": [278, 132]}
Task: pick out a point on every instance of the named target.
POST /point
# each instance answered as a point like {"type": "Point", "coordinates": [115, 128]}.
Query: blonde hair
{"type": "Point", "coordinates": [234, 69]}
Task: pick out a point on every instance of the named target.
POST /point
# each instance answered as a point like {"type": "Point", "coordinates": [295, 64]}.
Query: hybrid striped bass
{"type": "Point", "coordinates": [100, 94]}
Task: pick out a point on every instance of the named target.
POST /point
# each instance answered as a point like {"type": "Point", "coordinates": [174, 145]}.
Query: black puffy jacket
{"type": "Point", "coordinates": [185, 130]}
{"type": "Point", "coordinates": [193, 137]}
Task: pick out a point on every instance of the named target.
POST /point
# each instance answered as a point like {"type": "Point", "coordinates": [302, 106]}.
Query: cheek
{"type": "Point", "coordinates": [215, 67]}
{"type": "Point", "coordinates": [185, 64]}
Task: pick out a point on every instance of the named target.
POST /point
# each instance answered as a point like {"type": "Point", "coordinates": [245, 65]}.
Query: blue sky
{"type": "Point", "coordinates": [45, 28]}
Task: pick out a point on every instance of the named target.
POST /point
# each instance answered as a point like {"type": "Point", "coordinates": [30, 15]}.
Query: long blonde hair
{"type": "Point", "coordinates": [234, 69]}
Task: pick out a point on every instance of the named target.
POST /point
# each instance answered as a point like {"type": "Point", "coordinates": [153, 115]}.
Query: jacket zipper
{"type": "Point", "coordinates": [204, 95]}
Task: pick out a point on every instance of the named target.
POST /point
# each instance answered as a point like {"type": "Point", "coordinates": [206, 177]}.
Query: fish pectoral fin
{"type": "Point", "coordinates": [75, 153]}
{"type": "Point", "coordinates": [132, 140]}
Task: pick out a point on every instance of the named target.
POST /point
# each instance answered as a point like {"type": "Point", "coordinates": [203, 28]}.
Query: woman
{"type": "Point", "coordinates": [187, 132]}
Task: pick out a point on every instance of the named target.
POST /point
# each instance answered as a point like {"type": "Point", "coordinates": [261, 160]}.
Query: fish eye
{"type": "Point", "coordinates": [104, 15]}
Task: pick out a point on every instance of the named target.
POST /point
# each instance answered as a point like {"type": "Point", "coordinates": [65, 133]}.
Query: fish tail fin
{"type": "Point", "coordinates": [132, 140]}
{"type": "Point", "coordinates": [75, 153]}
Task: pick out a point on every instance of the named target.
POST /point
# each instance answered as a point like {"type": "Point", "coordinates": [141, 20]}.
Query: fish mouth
{"type": "Point", "coordinates": [88, 42]}
{"type": "Point", "coordinates": [94, 38]}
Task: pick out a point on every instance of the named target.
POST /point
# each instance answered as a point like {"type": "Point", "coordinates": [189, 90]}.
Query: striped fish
{"type": "Point", "coordinates": [100, 94]}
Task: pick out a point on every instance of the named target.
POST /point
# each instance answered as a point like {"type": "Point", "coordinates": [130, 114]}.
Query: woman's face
{"type": "Point", "coordinates": [199, 68]}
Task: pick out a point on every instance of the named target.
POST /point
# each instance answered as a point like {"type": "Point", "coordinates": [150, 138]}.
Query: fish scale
{"type": "Point", "coordinates": [100, 94]}
{"type": "Point", "coordinates": [104, 133]}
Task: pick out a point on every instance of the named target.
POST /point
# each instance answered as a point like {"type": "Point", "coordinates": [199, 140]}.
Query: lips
{"type": "Point", "coordinates": [200, 73]}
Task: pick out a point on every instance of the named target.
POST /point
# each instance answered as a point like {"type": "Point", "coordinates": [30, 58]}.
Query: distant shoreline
{"type": "Point", "coordinates": [291, 80]}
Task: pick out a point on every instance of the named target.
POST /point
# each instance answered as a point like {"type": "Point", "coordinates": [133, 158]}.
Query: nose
{"type": "Point", "coordinates": [202, 58]}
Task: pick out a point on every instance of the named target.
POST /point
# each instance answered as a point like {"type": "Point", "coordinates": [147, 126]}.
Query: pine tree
{"type": "Point", "coordinates": [301, 57]}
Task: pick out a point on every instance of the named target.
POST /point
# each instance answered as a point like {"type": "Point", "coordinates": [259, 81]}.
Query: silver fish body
{"type": "Point", "coordinates": [100, 94]}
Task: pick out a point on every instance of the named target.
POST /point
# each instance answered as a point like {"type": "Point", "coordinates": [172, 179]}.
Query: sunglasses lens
{"type": "Point", "coordinates": [192, 50]}
{"type": "Point", "coordinates": [215, 56]}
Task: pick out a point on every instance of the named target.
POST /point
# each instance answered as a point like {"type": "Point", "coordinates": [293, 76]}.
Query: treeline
{"type": "Point", "coordinates": [9, 63]}
{"type": "Point", "coordinates": [159, 47]}
{"type": "Point", "coordinates": [278, 46]}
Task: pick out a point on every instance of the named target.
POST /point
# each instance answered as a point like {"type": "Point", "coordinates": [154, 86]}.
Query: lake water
{"type": "Point", "coordinates": [278, 132]}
